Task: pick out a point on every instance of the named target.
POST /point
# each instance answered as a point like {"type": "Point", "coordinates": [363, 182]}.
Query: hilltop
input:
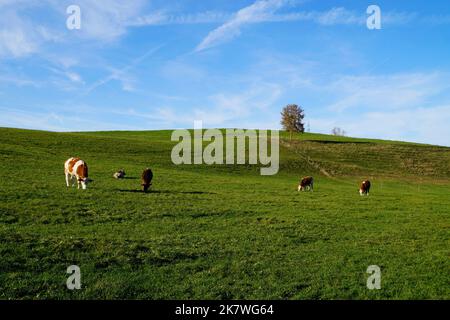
{"type": "Point", "coordinates": [308, 152]}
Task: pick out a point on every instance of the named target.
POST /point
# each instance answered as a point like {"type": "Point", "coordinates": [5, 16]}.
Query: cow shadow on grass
{"type": "Point", "coordinates": [164, 191]}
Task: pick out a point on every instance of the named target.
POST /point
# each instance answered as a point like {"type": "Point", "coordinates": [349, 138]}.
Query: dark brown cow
{"type": "Point", "coordinates": [364, 188]}
{"type": "Point", "coordinates": [146, 179]}
{"type": "Point", "coordinates": [306, 184]}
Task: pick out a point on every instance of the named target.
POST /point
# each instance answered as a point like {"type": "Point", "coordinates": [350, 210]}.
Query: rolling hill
{"type": "Point", "coordinates": [222, 232]}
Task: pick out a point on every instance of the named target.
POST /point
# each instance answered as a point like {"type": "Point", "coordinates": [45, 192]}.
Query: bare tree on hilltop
{"type": "Point", "coordinates": [338, 132]}
{"type": "Point", "coordinates": [292, 119]}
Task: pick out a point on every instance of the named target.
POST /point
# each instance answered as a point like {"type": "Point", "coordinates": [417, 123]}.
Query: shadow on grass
{"type": "Point", "coordinates": [166, 191]}
{"type": "Point", "coordinates": [128, 178]}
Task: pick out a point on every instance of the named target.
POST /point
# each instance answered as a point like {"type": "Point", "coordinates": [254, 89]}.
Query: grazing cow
{"type": "Point", "coordinates": [76, 168]}
{"type": "Point", "coordinates": [364, 188]}
{"type": "Point", "coordinates": [119, 174]}
{"type": "Point", "coordinates": [146, 179]}
{"type": "Point", "coordinates": [306, 184]}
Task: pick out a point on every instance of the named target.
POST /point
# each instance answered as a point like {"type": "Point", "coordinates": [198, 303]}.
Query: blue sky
{"type": "Point", "coordinates": [143, 65]}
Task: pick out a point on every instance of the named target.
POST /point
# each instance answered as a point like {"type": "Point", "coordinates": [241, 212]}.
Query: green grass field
{"type": "Point", "coordinates": [222, 232]}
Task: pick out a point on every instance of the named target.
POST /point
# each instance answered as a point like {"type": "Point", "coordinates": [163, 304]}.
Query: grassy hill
{"type": "Point", "coordinates": [222, 232]}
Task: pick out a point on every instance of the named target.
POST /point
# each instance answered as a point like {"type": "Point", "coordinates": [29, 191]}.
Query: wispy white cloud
{"type": "Point", "coordinates": [164, 18]}
{"type": "Point", "coordinates": [269, 13]}
{"type": "Point", "coordinates": [437, 19]}
{"type": "Point", "coordinates": [332, 17]}
{"type": "Point", "coordinates": [238, 108]}
{"type": "Point", "coordinates": [179, 69]}
{"type": "Point", "coordinates": [31, 120]}
{"type": "Point", "coordinates": [74, 77]}
{"type": "Point", "coordinates": [107, 20]}
{"type": "Point", "coordinates": [6, 4]}
{"type": "Point", "coordinates": [63, 79]}
{"type": "Point", "coordinates": [122, 73]}
{"type": "Point", "coordinates": [21, 34]}
{"type": "Point", "coordinates": [58, 121]}
{"type": "Point", "coordinates": [417, 124]}
{"type": "Point", "coordinates": [18, 80]}
{"type": "Point", "coordinates": [257, 12]}
{"type": "Point", "coordinates": [411, 106]}
{"type": "Point", "coordinates": [407, 106]}
{"type": "Point", "coordinates": [395, 91]}
{"type": "Point", "coordinates": [343, 16]}
{"type": "Point", "coordinates": [17, 37]}
{"type": "Point", "coordinates": [266, 11]}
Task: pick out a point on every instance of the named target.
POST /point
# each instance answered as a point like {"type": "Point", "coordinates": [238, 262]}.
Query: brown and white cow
{"type": "Point", "coordinates": [76, 168]}
{"type": "Point", "coordinates": [306, 184]}
{"type": "Point", "coordinates": [364, 188]}
{"type": "Point", "coordinates": [146, 179]}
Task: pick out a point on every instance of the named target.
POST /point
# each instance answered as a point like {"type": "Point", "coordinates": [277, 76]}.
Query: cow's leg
{"type": "Point", "coordinates": [67, 179]}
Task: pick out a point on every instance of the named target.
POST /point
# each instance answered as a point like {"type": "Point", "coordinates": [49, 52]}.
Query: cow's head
{"type": "Point", "coordinates": [146, 186]}
{"type": "Point", "coordinates": [84, 182]}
